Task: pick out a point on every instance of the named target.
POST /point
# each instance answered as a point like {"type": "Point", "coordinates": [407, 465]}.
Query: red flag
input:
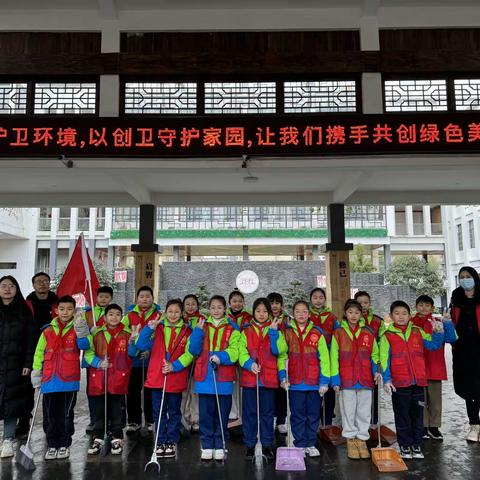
{"type": "Point", "coordinates": [79, 276]}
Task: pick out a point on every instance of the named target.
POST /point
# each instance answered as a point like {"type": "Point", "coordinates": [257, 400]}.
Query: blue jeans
{"type": "Point", "coordinates": [171, 415]}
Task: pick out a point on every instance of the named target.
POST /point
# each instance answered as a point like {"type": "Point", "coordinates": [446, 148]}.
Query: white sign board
{"type": "Point", "coordinates": [247, 281]}
{"type": "Point", "coordinates": [120, 276]}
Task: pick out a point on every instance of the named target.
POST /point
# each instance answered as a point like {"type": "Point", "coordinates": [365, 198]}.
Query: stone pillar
{"type": "Point", "coordinates": [387, 256]}
{"type": "Point", "coordinates": [146, 251]}
{"type": "Point", "coordinates": [337, 260]}
{"type": "Point", "coordinates": [245, 253]}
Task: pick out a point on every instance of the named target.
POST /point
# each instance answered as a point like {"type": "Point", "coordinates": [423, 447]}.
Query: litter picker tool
{"type": "Point", "coordinates": [259, 457]}
{"type": "Point", "coordinates": [154, 460]}
{"type": "Point", "coordinates": [144, 430]}
{"type": "Point", "coordinates": [214, 368]}
{"type": "Point", "coordinates": [25, 455]}
{"type": "Point", "coordinates": [105, 450]}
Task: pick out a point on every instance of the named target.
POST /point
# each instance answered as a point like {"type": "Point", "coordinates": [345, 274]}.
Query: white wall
{"type": "Point", "coordinates": [22, 252]}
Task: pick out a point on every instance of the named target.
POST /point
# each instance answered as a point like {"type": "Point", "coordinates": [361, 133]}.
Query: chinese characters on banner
{"type": "Point", "coordinates": [228, 136]}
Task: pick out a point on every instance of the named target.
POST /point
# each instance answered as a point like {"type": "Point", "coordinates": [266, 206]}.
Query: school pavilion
{"type": "Point", "coordinates": [253, 103]}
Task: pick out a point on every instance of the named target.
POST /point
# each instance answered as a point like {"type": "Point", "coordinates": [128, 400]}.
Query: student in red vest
{"type": "Point", "coordinates": [191, 310]}
{"type": "Point", "coordinates": [236, 308]}
{"type": "Point", "coordinates": [403, 368]}
{"type": "Point", "coordinates": [308, 374]}
{"type": "Point", "coordinates": [214, 342]}
{"type": "Point", "coordinates": [104, 298]}
{"type": "Point", "coordinates": [191, 316]}
{"type": "Point", "coordinates": [261, 348]}
{"type": "Point", "coordinates": [322, 317]}
{"type": "Point", "coordinates": [377, 325]}
{"type": "Point", "coordinates": [435, 365]}
{"type": "Point", "coordinates": [56, 369]}
{"type": "Point", "coordinates": [108, 354]}
{"type": "Point", "coordinates": [279, 313]}
{"type": "Point", "coordinates": [168, 341]}
{"type": "Point", "coordinates": [143, 311]}
{"type": "Point", "coordinates": [354, 371]}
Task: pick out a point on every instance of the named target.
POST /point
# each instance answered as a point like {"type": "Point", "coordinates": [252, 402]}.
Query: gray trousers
{"type": "Point", "coordinates": [432, 413]}
{"type": "Point", "coordinates": [356, 408]}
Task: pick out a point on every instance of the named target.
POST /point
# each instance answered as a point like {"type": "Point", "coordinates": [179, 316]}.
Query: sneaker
{"type": "Point", "coordinates": [195, 427]}
{"type": "Point", "coordinates": [473, 433]}
{"type": "Point", "coordinates": [90, 428]}
{"type": "Point", "coordinates": [282, 429]}
{"type": "Point", "coordinates": [207, 454]}
{"type": "Point", "coordinates": [51, 454]}
{"type": "Point", "coordinates": [311, 452]}
{"type": "Point", "coordinates": [417, 452]}
{"type": "Point", "coordinates": [426, 434]}
{"type": "Point", "coordinates": [150, 427]}
{"type": "Point", "coordinates": [170, 450]}
{"type": "Point", "coordinates": [160, 450]}
{"type": "Point", "coordinates": [435, 433]}
{"type": "Point", "coordinates": [96, 447]}
{"type": "Point", "coordinates": [405, 452]}
{"type": "Point", "coordinates": [133, 427]}
{"type": "Point", "coordinates": [269, 453]}
{"type": "Point", "coordinates": [219, 454]}
{"type": "Point", "coordinates": [249, 454]}
{"type": "Point", "coordinates": [116, 447]}
{"type": "Point", "coordinates": [63, 452]}
{"type": "Point", "coordinates": [7, 448]}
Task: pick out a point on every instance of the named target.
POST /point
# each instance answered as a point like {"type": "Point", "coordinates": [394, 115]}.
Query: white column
{"type": "Point", "coordinates": [108, 222]}
{"type": "Point", "coordinates": [54, 224]}
{"type": "Point", "coordinates": [390, 215]}
{"type": "Point", "coordinates": [92, 223]}
{"type": "Point", "coordinates": [427, 221]}
{"type": "Point", "coordinates": [73, 223]}
{"type": "Point", "coordinates": [409, 219]}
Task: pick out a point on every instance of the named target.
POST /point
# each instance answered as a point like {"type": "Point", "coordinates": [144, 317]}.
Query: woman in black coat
{"type": "Point", "coordinates": [465, 312]}
{"type": "Point", "coordinates": [16, 358]}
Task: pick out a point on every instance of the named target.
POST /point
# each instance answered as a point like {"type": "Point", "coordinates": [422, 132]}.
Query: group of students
{"type": "Point", "coordinates": [310, 356]}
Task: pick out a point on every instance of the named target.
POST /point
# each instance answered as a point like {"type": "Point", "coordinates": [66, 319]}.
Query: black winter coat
{"type": "Point", "coordinates": [16, 353]}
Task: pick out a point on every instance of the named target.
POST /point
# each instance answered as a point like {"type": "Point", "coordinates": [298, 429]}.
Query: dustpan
{"type": "Point", "coordinates": [387, 435]}
{"type": "Point", "coordinates": [289, 458]}
{"type": "Point", "coordinates": [386, 459]}
{"type": "Point", "coordinates": [330, 433]}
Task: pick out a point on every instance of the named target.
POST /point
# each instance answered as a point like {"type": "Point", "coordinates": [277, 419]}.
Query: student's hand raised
{"type": "Point", "coordinates": [153, 324]}
{"type": "Point", "coordinates": [135, 331]}
{"type": "Point", "coordinates": [201, 323]}
{"type": "Point", "coordinates": [447, 316]}
{"type": "Point", "coordinates": [275, 323]}
{"type": "Point", "coordinates": [80, 324]}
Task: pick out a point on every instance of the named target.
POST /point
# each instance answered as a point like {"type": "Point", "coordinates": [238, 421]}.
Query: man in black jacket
{"type": "Point", "coordinates": [42, 303]}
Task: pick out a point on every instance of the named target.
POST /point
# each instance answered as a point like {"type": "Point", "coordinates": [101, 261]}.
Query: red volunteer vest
{"type": "Point", "coordinates": [303, 361]}
{"type": "Point", "coordinates": [354, 357]}
{"type": "Point", "coordinates": [189, 318]}
{"type": "Point", "coordinates": [375, 323]}
{"type": "Point", "coordinates": [241, 319]}
{"type": "Point", "coordinates": [118, 374]}
{"type": "Point", "coordinates": [62, 356]}
{"type": "Point", "coordinates": [258, 347]}
{"type": "Point", "coordinates": [176, 381]}
{"type": "Point", "coordinates": [435, 365]}
{"type": "Point", "coordinates": [407, 363]}
{"type": "Point", "coordinates": [325, 321]}
{"type": "Point", "coordinates": [225, 373]}
{"type": "Point", "coordinates": [135, 318]}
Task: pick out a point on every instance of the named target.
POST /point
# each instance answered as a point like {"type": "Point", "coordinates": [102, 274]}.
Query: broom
{"type": "Point", "coordinates": [25, 455]}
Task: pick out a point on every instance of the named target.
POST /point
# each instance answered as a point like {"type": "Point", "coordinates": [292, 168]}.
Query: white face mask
{"type": "Point", "coordinates": [467, 283]}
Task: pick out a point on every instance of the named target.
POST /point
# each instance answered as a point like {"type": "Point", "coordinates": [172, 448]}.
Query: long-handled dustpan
{"type": "Point", "coordinates": [289, 458]}
{"type": "Point", "coordinates": [25, 455]}
{"type": "Point", "coordinates": [214, 375]}
{"type": "Point", "coordinates": [144, 429]}
{"type": "Point", "coordinates": [386, 459]}
{"type": "Point", "coordinates": [330, 433]}
{"type": "Point", "coordinates": [387, 435]}
{"type": "Point", "coordinates": [259, 457]}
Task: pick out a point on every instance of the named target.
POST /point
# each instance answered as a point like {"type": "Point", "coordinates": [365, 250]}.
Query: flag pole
{"type": "Point", "coordinates": [88, 278]}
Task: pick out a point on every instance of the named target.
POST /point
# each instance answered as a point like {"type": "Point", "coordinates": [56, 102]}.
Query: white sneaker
{"type": "Point", "coordinates": [51, 454]}
{"type": "Point", "coordinates": [311, 452]}
{"type": "Point", "coordinates": [116, 446]}
{"type": "Point", "coordinates": [473, 434]}
{"type": "Point", "coordinates": [219, 454]}
{"type": "Point", "coordinates": [207, 454]}
{"type": "Point", "coordinates": [96, 447]}
{"type": "Point", "coordinates": [63, 452]}
{"type": "Point", "coordinates": [7, 448]}
{"type": "Point", "coordinates": [282, 429]}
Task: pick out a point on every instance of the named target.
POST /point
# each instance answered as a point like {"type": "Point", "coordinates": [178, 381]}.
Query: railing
{"type": "Point", "coordinates": [248, 218]}
{"type": "Point", "coordinates": [64, 224]}
{"type": "Point", "coordinates": [437, 229]}
{"type": "Point", "coordinates": [100, 224]}
{"type": "Point", "coordinates": [83, 224]}
{"type": "Point", "coordinates": [44, 224]}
